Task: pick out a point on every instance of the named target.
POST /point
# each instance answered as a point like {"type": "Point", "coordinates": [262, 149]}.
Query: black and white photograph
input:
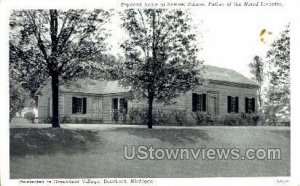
{"type": "Point", "coordinates": [132, 92]}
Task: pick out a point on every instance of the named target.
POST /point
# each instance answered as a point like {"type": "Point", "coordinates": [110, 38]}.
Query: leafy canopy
{"type": "Point", "coordinates": [160, 53]}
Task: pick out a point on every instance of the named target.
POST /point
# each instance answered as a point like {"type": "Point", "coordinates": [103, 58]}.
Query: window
{"type": "Point", "coordinates": [233, 104]}
{"type": "Point", "coordinates": [249, 105]}
{"type": "Point", "coordinates": [198, 102]}
{"type": "Point", "coordinates": [78, 105]}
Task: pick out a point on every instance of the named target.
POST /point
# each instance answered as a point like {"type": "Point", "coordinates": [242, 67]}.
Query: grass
{"type": "Point", "coordinates": [82, 153]}
{"type": "Point", "coordinates": [47, 141]}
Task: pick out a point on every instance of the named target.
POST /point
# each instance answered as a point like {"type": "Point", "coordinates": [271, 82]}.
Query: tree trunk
{"type": "Point", "coordinates": [150, 109]}
{"type": "Point", "coordinates": [259, 99]}
{"type": "Point", "coordinates": [55, 102]}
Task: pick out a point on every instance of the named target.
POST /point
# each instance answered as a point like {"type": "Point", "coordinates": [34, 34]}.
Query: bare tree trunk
{"type": "Point", "coordinates": [150, 94]}
{"type": "Point", "coordinates": [259, 98]}
{"type": "Point", "coordinates": [55, 102]}
{"type": "Point", "coordinates": [150, 112]}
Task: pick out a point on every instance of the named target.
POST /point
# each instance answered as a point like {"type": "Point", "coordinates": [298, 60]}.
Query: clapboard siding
{"type": "Point", "coordinates": [89, 105]}
{"type": "Point", "coordinates": [46, 94]}
{"type": "Point", "coordinates": [223, 92]}
{"type": "Point", "coordinates": [178, 103]}
{"type": "Point", "coordinates": [182, 102]}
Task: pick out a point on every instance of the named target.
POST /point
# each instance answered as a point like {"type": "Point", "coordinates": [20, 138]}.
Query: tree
{"type": "Point", "coordinates": [257, 70]}
{"type": "Point", "coordinates": [58, 44]}
{"type": "Point", "coordinates": [160, 55]}
{"type": "Point", "coordinates": [18, 98]}
{"type": "Point", "coordinates": [278, 57]}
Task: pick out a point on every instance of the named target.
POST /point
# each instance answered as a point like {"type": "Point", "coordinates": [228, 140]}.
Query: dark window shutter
{"type": "Point", "coordinates": [229, 104]}
{"type": "Point", "coordinates": [194, 102]}
{"type": "Point", "coordinates": [236, 104]}
{"type": "Point", "coordinates": [204, 102]}
{"type": "Point", "coordinates": [253, 104]}
{"type": "Point", "coordinates": [246, 105]}
{"type": "Point", "coordinates": [84, 105]}
{"type": "Point", "coordinates": [73, 105]}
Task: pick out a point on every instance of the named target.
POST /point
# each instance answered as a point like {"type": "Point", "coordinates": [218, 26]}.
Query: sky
{"type": "Point", "coordinates": [228, 38]}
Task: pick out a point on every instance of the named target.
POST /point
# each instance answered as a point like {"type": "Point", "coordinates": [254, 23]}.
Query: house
{"type": "Point", "coordinates": [226, 91]}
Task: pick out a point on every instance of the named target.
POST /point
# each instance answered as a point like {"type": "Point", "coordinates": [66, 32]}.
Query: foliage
{"type": "Point", "coordinates": [137, 115]}
{"type": "Point", "coordinates": [257, 70]}
{"type": "Point", "coordinates": [29, 116]}
{"type": "Point", "coordinates": [160, 116]}
{"type": "Point", "coordinates": [160, 55]}
{"type": "Point", "coordinates": [232, 120]}
{"type": "Point", "coordinates": [202, 118]}
{"type": "Point", "coordinates": [61, 44]}
{"type": "Point", "coordinates": [66, 119]}
{"type": "Point", "coordinates": [242, 119]}
{"type": "Point", "coordinates": [278, 93]}
{"type": "Point", "coordinates": [48, 120]}
{"type": "Point", "coordinates": [19, 98]}
{"type": "Point", "coordinates": [179, 116]}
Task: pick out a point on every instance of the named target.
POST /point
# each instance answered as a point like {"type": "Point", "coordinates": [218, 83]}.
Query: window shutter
{"type": "Point", "coordinates": [194, 102]}
{"type": "Point", "coordinates": [253, 104]}
{"type": "Point", "coordinates": [73, 105]}
{"type": "Point", "coordinates": [229, 104]}
{"type": "Point", "coordinates": [204, 102]}
{"type": "Point", "coordinates": [84, 105]}
{"type": "Point", "coordinates": [246, 105]}
{"type": "Point", "coordinates": [236, 104]}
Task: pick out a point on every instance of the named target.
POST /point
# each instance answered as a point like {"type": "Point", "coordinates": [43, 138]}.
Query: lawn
{"type": "Point", "coordinates": [78, 152]}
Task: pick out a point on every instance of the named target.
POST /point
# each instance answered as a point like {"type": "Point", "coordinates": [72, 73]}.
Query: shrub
{"type": "Point", "coordinates": [48, 120]}
{"type": "Point", "coordinates": [97, 121]}
{"type": "Point", "coordinates": [66, 119]}
{"type": "Point", "coordinates": [86, 120]}
{"type": "Point", "coordinates": [137, 115]}
{"type": "Point", "coordinates": [202, 118]}
{"type": "Point", "coordinates": [76, 120]}
{"type": "Point", "coordinates": [115, 115]}
{"type": "Point", "coordinates": [29, 116]}
{"type": "Point", "coordinates": [160, 116]}
{"type": "Point", "coordinates": [179, 116]}
{"type": "Point", "coordinates": [232, 120]}
{"type": "Point", "coordinates": [242, 119]}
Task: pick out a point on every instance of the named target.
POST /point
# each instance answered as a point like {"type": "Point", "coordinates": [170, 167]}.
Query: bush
{"type": "Point", "coordinates": [29, 116]}
{"type": "Point", "coordinates": [66, 119]}
{"type": "Point", "coordinates": [48, 120]}
{"type": "Point", "coordinates": [160, 116]}
{"type": "Point", "coordinates": [97, 121]}
{"type": "Point", "coordinates": [232, 120]}
{"type": "Point", "coordinates": [76, 120]}
{"type": "Point", "coordinates": [179, 116]}
{"type": "Point", "coordinates": [242, 119]}
{"type": "Point", "coordinates": [137, 116]}
{"type": "Point", "coordinates": [86, 120]}
{"type": "Point", "coordinates": [202, 118]}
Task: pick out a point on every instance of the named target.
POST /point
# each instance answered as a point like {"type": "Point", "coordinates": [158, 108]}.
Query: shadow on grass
{"type": "Point", "coordinates": [172, 136]}
{"type": "Point", "coordinates": [284, 133]}
{"type": "Point", "coordinates": [35, 141]}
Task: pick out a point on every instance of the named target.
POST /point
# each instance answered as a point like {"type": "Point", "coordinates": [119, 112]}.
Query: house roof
{"type": "Point", "coordinates": [226, 75]}
{"type": "Point", "coordinates": [212, 73]}
{"type": "Point", "coordinates": [92, 86]}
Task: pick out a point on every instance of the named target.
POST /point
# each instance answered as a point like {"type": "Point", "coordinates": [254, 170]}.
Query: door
{"type": "Point", "coordinates": [97, 109]}
{"type": "Point", "coordinates": [213, 106]}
